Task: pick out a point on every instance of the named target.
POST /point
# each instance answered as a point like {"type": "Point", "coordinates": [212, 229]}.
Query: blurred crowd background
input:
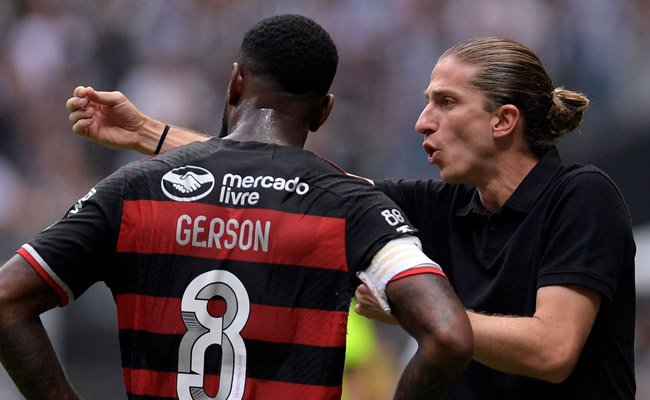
{"type": "Point", "coordinates": [172, 58]}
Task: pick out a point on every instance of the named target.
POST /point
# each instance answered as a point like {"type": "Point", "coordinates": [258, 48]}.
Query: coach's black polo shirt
{"type": "Point", "coordinates": [562, 225]}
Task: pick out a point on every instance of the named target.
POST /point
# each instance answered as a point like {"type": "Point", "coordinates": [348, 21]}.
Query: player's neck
{"type": "Point", "coordinates": [269, 126]}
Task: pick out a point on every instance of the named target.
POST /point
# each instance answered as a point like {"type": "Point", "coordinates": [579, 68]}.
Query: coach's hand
{"type": "Point", "coordinates": [370, 308]}
{"type": "Point", "coordinates": [109, 118]}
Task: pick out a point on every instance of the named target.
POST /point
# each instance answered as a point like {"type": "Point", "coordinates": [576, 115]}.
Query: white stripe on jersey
{"type": "Point", "coordinates": [49, 271]}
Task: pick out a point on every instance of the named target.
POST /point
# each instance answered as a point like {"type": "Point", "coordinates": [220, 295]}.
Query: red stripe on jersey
{"type": "Point", "coordinates": [147, 313]}
{"type": "Point", "coordinates": [274, 390]}
{"type": "Point", "coordinates": [258, 235]}
{"type": "Point", "coordinates": [266, 323]}
{"type": "Point", "coordinates": [142, 382]}
{"type": "Point", "coordinates": [150, 383]}
{"type": "Point", "coordinates": [39, 269]}
{"type": "Point", "coordinates": [417, 271]}
{"type": "Point", "coordinates": [296, 325]}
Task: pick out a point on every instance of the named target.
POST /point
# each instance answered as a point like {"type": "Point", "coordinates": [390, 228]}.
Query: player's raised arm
{"type": "Point", "coordinates": [112, 120]}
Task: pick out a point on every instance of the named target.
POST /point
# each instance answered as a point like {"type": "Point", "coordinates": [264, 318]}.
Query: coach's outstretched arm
{"type": "Point", "coordinates": [112, 120]}
{"type": "Point", "coordinates": [427, 308]}
{"type": "Point", "coordinates": [25, 349]}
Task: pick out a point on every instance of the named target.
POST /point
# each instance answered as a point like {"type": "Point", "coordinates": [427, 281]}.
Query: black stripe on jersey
{"type": "Point", "coordinates": [276, 285]}
{"type": "Point", "coordinates": [141, 397]}
{"type": "Point", "coordinates": [298, 363]}
{"type": "Point", "coordinates": [292, 363]}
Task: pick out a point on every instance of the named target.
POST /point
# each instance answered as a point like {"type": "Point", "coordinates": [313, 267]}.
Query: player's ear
{"type": "Point", "coordinates": [235, 86]}
{"type": "Point", "coordinates": [324, 109]}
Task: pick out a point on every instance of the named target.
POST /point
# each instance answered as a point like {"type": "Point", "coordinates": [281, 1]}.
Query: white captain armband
{"type": "Point", "coordinates": [397, 257]}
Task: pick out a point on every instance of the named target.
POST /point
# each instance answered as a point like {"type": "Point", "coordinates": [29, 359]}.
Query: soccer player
{"type": "Point", "coordinates": [541, 253]}
{"type": "Point", "coordinates": [233, 261]}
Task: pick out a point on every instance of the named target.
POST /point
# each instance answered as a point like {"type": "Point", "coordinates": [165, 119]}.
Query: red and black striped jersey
{"type": "Point", "coordinates": [232, 266]}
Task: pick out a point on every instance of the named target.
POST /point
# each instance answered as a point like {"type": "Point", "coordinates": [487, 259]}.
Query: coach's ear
{"type": "Point", "coordinates": [505, 120]}
{"type": "Point", "coordinates": [324, 110]}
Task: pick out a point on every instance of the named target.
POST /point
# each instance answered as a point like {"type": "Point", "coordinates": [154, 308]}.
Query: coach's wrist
{"type": "Point", "coordinates": [150, 134]}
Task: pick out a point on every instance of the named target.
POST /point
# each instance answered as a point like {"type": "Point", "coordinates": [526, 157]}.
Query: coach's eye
{"type": "Point", "coordinates": [448, 101]}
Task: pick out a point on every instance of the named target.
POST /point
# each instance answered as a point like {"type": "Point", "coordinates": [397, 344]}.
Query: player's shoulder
{"type": "Point", "coordinates": [150, 171]}
{"type": "Point", "coordinates": [192, 152]}
{"type": "Point", "coordinates": [321, 173]}
{"type": "Point", "coordinates": [325, 162]}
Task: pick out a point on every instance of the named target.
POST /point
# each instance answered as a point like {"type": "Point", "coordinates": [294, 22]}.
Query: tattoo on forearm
{"type": "Point", "coordinates": [29, 361]}
{"type": "Point", "coordinates": [419, 383]}
{"type": "Point", "coordinates": [423, 309]}
{"type": "Point", "coordinates": [441, 298]}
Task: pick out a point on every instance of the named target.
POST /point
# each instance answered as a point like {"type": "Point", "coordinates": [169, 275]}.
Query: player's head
{"type": "Point", "coordinates": [292, 55]}
{"type": "Point", "coordinates": [511, 73]}
{"type": "Point", "coordinates": [292, 50]}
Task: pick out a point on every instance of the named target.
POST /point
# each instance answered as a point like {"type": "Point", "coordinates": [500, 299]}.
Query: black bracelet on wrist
{"type": "Point", "coordinates": [162, 139]}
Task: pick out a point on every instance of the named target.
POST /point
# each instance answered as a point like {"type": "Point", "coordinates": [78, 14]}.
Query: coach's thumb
{"type": "Point", "coordinates": [104, 98]}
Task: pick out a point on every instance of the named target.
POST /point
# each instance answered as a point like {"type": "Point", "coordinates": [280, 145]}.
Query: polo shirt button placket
{"type": "Point", "coordinates": [492, 224]}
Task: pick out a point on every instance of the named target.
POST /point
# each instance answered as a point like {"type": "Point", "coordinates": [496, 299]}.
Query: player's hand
{"type": "Point", "coordinates": [106, 117]}
{"type": "Point", "coordinates": [369, 308]}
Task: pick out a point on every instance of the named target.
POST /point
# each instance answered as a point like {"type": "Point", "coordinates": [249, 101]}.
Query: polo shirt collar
{"type": "Point", "coordinates": [529, 190]}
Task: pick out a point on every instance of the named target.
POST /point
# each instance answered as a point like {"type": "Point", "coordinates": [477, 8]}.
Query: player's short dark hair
{"type": "Point", "coordinates": [292, 50]}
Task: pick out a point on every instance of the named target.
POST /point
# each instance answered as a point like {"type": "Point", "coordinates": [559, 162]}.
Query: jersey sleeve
{"type": "Point", "coordinates": [402, 192]}
{"type": "Point", "coordinates": [422, 200]}
{"type": "Point", "coordinates": [589, 233]}
{"type": "Point", "coordinates": [372, 221]}
{"type": "Point", "coordinates": [77, 250]}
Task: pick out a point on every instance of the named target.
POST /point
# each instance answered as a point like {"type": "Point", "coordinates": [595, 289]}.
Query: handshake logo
{"type": "Point", "coordinates": [188, 183]}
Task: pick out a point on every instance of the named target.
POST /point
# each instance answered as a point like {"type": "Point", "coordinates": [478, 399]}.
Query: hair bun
{"type": "Point", "coordinates": [567, 111]}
